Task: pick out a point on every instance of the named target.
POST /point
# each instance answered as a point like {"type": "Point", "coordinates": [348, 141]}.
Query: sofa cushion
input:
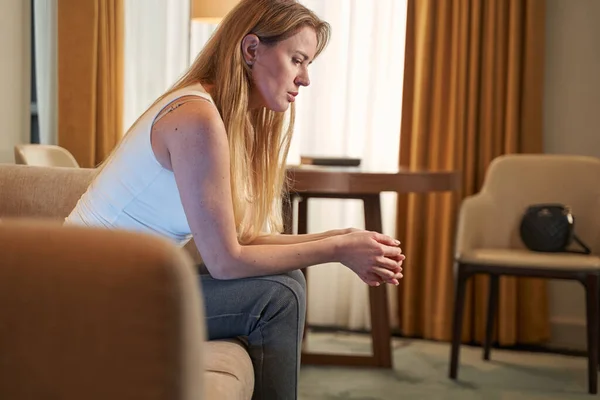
{"type": "Point", "coordinates": [228, 372]}
{"type": "Point", "coordinates": [48, 192]}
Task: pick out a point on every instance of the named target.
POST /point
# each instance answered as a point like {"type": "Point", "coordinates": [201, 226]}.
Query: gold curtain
{"type": "Point", "coordinates": [90, 78]}
{"type": "Point", "coordinates": [472, 91]}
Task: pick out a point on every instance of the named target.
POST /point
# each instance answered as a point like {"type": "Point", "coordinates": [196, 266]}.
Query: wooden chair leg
{"type": "Point", "coordinates": [491, 315]}
{"type": "Point", "coordinates": [459, 308]}
{"type": "Point", "coordinates": [592, 298]}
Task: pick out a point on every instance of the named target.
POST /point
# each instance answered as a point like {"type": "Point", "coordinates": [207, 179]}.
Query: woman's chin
{"type": "Point", "coordinates": [279, 107]}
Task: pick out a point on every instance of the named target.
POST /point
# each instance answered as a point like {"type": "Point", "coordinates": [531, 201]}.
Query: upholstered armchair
{"type": "Point", "coordinates": [44, 155]}
{"type": "Point", "coordinates": [488, 240]}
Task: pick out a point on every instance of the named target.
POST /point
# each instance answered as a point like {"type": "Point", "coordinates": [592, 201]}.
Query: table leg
{"type": "Point", "coordinates": [287, 205]}
{"type": "Point", "coordinates": [303, 216]}
{"type": "Point", "coordinates": [380, 324]}
{"type": "Point", "coordinates": [380, 319]}
{"type": "Point", "coordinates": [302, 229]}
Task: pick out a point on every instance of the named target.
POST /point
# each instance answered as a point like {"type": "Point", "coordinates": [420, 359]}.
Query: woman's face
{"type": "Point", "coordinates": [279, 70]}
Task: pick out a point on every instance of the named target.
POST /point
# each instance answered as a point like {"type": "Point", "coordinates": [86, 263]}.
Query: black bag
{"type": "Point", "coordinates": [550, 228]}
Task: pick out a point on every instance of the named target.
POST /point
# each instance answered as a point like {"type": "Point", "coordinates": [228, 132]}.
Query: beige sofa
{"type": "Point", "coordinates": [159, 336]}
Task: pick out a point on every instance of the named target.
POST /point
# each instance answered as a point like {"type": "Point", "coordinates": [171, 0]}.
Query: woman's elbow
{"type": "Point", "coordinates": [224, 266]}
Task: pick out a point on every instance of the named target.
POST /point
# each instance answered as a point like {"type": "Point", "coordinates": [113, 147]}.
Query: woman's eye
{"type": "Point", "coordinates": [297, 61]}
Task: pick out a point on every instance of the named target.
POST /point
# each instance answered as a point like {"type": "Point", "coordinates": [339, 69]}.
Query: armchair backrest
{"type": "Point", "coordinates": [44, 155]}
{"type": "Point", "coordinates": [513, 182]}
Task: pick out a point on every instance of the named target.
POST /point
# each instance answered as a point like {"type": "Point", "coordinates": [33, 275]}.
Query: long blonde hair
{"type": "Point", "coordinates": [258, 141]}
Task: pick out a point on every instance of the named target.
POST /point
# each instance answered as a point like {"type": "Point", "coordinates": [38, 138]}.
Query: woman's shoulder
{"type": "Point", "coordinates": [195, 89]}
{"type": "Point", "coordinates": [190, 114]}
{"type": "Point", "coordinates": [190, 125]}
{"type": "Point", "coordinates": [192, 104]}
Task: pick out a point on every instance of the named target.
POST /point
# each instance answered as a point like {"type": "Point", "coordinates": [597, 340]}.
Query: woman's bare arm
{"type": "Point", "coordinates": [302, 238]}
{"type": "Point", "coordinates": [197, 145]}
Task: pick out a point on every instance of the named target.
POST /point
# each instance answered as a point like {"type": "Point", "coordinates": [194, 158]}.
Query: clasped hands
{"type": "Point", "coordinates": [376, 258]}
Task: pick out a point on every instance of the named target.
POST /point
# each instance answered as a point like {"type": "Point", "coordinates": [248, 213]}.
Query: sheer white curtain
{"type": "Point", "coordinates": [156, 51]}
{"type": "Point", "coordinates": [199, 35]}
{"type": "Point", "coordinates": [352, 108]}
{"type": "Point", "coordinates": [46, 67]}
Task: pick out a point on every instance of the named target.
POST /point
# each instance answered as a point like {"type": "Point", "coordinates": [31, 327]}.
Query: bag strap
{"type": "Point", "coordinates": [586, 249]}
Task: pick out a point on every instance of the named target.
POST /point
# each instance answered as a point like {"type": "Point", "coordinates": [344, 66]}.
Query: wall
{"type": "Point", "coordinates": [15, 70]}
{"type": "Point", "coordinates": [571, 125]}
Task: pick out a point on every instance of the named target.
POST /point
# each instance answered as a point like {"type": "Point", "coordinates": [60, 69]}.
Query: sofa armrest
{"type": "Point", "coordinates": [97, 314]}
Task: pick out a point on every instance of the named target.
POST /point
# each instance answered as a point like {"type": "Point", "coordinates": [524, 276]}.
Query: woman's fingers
{"type": "Point", "coordinates": [389, 263]}
{"type": "Point", "coordinates": [384, 273]}
{"type": "Point", "coordinates": [392, 259]}
{"type": "Point", "coordinates": [385, 239]}
{"type": "Point", "coordinates": [393, 252]}
{"type": "Point", "coordinates": [372, 279]}
{"type": "Point", "coordinates": [384, 276]}
{"type": "Point", "coordinates": [394, 282]}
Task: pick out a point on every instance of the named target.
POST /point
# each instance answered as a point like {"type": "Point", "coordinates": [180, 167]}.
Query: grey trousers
{"type": "Point", "coordinates": [269, 311]}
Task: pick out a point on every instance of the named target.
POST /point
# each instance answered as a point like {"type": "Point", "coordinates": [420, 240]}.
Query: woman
{"type": "Point", "coordinates": [206, 161]}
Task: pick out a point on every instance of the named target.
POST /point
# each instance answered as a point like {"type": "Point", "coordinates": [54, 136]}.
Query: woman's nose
{"type": "Point", "coordinates": [303, 80]}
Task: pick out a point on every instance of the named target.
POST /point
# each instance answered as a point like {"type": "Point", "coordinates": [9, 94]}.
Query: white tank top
{"type": "Point", "coordinates": [133, 191]}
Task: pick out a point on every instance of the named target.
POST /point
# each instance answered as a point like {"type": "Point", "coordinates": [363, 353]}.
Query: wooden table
{"type": "Point", "coordinates": [354, 183]}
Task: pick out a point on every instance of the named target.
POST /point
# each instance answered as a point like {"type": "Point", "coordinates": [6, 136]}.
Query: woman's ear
{"type": "Point", "coordinates": [249, 48]}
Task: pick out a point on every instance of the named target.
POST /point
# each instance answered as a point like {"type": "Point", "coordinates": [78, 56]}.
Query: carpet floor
{"type": "Point", "coordinates": [421, 372]}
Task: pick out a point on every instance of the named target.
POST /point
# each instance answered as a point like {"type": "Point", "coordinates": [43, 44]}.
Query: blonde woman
{"type": "Point", "coordinates": [206, 161]}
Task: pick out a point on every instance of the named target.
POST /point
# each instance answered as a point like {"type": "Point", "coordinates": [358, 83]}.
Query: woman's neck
{"type": "Point", "coordinates": [209, 87]}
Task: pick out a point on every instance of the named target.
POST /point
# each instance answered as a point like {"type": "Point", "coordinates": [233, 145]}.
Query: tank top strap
{"type": "Point", "coordinates": [194, 90]}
